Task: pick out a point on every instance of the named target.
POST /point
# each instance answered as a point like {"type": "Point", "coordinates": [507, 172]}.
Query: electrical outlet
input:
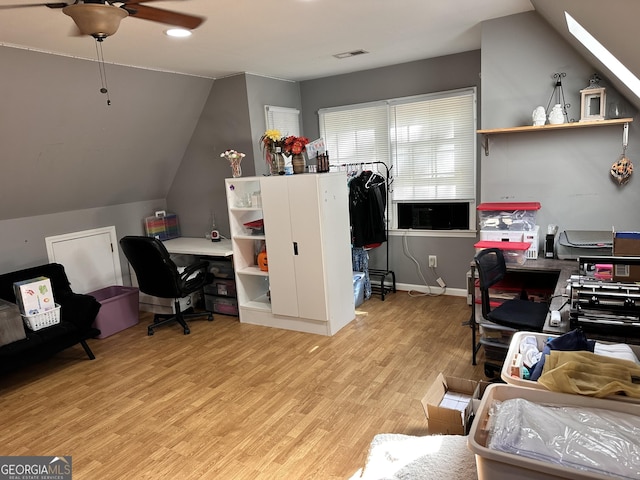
{"type": "Point", "coordinates": [433, 261]}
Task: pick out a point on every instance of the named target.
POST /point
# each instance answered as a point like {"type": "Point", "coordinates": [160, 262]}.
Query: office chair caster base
{"type": "Point", "coordinates": [187, 331]}
{"type": "Point", "coordinates": [149, 331]}
{"type": "Point", "coordinates": [491, 370]}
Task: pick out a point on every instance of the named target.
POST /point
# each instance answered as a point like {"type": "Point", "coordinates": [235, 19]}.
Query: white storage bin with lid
{"type": "Point", "coordinates": [496, 465]}
{"type": "Point", "coordinates": [508, 215]}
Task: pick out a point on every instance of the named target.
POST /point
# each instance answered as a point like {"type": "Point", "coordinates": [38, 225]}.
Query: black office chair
{"type": "Point", "coordinates": [518, 313]}
{"type": "Point", "coordinates": [158, 276]}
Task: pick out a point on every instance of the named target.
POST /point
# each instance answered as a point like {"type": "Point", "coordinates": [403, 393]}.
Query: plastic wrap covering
{"type": "Point", "coordinates": [588, 439]}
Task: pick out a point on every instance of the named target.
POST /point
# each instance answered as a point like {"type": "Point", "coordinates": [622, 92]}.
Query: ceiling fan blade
{"type": "Point", "coordinates": [50, 5]}
{"type": "Point", "coordinates": [163, 16]}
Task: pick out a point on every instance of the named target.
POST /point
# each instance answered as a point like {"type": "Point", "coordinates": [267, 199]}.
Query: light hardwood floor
{"type": "Point", "coordinates": [236, 401]}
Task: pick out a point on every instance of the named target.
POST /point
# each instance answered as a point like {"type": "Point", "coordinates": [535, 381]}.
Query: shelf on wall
{"type": "Point", "coordinates": [561, 126]}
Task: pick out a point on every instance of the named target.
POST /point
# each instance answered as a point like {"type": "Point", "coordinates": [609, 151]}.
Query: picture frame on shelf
{"type": "Point", "coordinates": [592, 104]}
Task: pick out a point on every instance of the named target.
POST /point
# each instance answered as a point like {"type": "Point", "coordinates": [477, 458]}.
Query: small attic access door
{"type": "Point", "coordinates": [90, 258]}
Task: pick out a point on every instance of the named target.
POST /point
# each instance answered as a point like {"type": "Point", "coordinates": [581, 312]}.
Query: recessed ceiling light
{"type": "Point", "coordinates": [350, 54]}
{"type": "Point", "coordinates": [178, 32]}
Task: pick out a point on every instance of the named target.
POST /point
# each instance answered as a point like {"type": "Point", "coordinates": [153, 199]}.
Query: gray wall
{"type": "Point", "coordinates": [197, 195]}
{"type": "Point", "coordinates": [69, 162]}
{"type": "Point", "coordinates": [64, 149]}
{"type": "Point", "coordinates": [22, 240]}
{"type": "Point", "coordinates": [263, 91]}
{"type": "Point", "coordinates": [425, 76]}
{"type": "Point", "coordinates": [232, 118]}
{"type": "Point", "coordinates": [567, 171]}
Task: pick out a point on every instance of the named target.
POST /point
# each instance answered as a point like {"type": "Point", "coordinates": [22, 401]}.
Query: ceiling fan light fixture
{"type": "Point", "coordinates": [97, 20]}
{"type": "Point", "coordinates": [178, 32]}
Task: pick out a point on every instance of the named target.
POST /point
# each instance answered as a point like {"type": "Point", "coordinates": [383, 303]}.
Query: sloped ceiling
{"type": "Point", "coordinates": [62, 148]}
{"type": "Point", "coordinates": [612, 23]}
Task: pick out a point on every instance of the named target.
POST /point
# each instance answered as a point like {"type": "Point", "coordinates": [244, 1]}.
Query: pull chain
{"type": "Point", "coordinates": [102, 69]}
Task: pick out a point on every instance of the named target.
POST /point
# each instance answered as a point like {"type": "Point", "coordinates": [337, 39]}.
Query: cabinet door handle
{"type": "Point", "coordinates": [295, 248]}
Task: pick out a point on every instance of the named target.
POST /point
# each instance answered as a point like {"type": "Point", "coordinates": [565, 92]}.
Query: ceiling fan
{"type": "Point", "coordinates": [101, 18]}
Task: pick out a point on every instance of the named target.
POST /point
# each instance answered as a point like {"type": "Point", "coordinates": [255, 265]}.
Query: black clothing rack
{"type": "Point", "coordinates": [380, 274]}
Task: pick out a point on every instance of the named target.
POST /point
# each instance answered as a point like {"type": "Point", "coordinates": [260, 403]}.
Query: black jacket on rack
{"type": "Point", "coordinates": [367, 205]}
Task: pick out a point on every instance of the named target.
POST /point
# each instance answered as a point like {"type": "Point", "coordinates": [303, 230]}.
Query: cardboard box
{"type": "Point", "coordinates": [34, 296]}
{"type": "Point", "coordinates": [626, 244]}
{"type": "Point", "coordinates": [449, 404]}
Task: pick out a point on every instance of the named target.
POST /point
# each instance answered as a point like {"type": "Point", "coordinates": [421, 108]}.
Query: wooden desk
{"type": "Point", "coordinates": [559, 300]}
{"type": "Point", "coordinates": [199, 246]}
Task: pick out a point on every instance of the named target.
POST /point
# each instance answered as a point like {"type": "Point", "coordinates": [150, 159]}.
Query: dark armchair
{"type": "Point", "coordinates": [159, 276]}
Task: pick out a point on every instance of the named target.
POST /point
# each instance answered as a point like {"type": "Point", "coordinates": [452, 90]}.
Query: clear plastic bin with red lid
{"type": "Point", "coordinates": [508, 215]}
{"type": "Point", "coordinates": [514, 252]}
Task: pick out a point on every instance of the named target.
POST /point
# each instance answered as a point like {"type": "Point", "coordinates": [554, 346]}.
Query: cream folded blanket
{"type": "Point", "coordinates": [585, 373]}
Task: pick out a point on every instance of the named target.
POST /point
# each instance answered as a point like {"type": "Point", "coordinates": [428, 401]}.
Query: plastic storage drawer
{"type": "Point", "coordinates": [221, 286]}
{"type": "Point", "coordinates": [223, 305]}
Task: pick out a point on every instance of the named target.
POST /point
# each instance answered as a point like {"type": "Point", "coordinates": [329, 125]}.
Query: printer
{"type": "Point", "coordinates": [572, 244]}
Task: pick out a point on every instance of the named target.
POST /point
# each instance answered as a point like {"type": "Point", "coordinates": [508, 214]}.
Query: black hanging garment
{"type": "Point", "coordinates": [367, 204]}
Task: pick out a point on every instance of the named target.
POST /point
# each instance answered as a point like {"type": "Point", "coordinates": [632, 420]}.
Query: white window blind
{"type": "Point", "coordinates": [284, 119]}
{"type": "Point", "coordinates": [357, 134]}
{"type": "Point", "coordinates": [433, 146]}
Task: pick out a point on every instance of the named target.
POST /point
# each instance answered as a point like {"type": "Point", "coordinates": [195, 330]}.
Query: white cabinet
{"type": "Point", "coordinates": [306, 221]}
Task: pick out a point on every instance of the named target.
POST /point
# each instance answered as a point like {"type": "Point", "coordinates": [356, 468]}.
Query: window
{"type": "Point", "coordinates": [286, 120]}
{"type": "Point", "coordinates": [428, 140]}
{"type": "Point", "coordinates": [604, 55]}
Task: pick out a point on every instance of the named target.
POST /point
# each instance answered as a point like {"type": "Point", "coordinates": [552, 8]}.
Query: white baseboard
{"type": "Point", "coordinates": [435, 289]}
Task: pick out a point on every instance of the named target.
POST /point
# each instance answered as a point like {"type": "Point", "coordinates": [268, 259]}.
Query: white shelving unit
{"type": "Point", "coordinates": [309, 285]}
{"type": "Point", "coordinates": [252, 284]}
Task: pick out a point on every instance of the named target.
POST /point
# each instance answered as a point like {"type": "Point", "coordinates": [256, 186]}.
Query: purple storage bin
{"type": "Point", "coordinates": [119, 309]}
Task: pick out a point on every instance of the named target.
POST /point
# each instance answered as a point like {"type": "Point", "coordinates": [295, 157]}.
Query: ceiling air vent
{"type": "Point", "coordinates": [350, 54]}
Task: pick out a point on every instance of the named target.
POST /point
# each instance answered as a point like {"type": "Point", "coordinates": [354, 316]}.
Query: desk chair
{"type": "Point", "coordinates": [159, 276]}
{"type": "Point", "coordinates": [518, 313]}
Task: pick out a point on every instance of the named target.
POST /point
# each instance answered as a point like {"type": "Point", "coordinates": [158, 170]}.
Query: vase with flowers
{"type": "Point", "coordinates": [294, 146]}
{"type": "Point", "coordinates": [271, 143]}
{"type": "Point", "coordinates": [235, 158]}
